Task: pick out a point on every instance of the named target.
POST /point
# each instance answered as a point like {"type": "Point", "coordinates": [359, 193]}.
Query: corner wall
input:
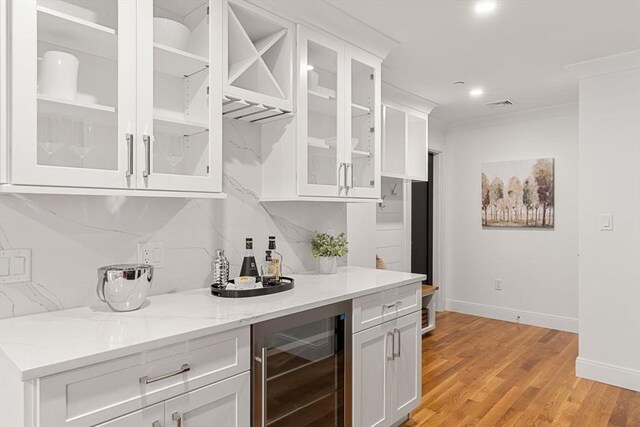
{"type": "Point", "coordinates": [539, 268]}
{"type": "Point", "coordinates": [609, 297]}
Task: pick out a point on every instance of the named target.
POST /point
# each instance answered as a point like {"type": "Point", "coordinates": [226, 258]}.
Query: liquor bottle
{"type": "Point", "coordinates": [276, 257]}
{"type": "Point", "coordinates": [220, 268]}
{"type": "Point", "coordinates": [268, 270]}
{"type": "Point", "coordinates": [249, 267]}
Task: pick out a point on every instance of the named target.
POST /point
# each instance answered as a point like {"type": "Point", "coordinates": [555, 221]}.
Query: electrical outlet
{"type": "Point", "coordinates": [151, 253]}
{"type": "Point", "coordinates": [498, 284]}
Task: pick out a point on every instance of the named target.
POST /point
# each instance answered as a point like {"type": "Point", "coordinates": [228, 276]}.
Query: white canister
{"type": "Point", "coordinates": [59, 75]}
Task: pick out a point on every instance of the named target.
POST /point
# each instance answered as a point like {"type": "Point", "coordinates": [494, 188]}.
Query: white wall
{"type": "Point", "coordinates": [609, 299]}
{"type": "Point", "coordinates": [539, 268]}
{"type": "Point", "coordinates": [70, 236]}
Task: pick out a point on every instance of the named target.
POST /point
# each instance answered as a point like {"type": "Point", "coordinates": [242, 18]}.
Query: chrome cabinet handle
{"type": "Point", "coordinates": [350, 166]}
{"type": "Point", "coordinates": [340, 176]}
{"type": "Point", "coordinates": [388, 306]}
{"type": "Point", "coordinates": [130, 154]}
{"type": "Point", "coordinates": [177, 417]}
{"type": "Point", "coordinates": [399, 343]}
{"type": "Point", "coordinates": [146, 139]}
{"type": "Point", "coordinates": [184, 368]}
{"type": "Point", "coordinates": [393, 346]}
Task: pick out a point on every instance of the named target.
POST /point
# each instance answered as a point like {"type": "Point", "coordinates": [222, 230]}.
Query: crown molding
{"type": "Point", "coordinates": [400, 96]}
{"type": "Point", "coordinates": [515, 117]}
{"type": "Point", "coordinates": [606, 65]}
{"type": "Point", "coordinates": [325, 17]}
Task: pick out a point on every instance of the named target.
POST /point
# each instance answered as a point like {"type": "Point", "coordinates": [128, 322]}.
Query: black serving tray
{"type": "Point", "coordinates": [219, 290]}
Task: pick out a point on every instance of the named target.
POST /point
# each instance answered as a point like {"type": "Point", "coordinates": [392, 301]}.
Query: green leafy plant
{"type": "Point", "coordinates": [324, 244]}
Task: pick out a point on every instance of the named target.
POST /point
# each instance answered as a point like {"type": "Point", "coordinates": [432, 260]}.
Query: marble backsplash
{"type": "Point", "coordinates": [70, 236]}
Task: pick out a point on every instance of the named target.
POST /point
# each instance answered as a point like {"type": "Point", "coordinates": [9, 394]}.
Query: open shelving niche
{"type": "Point", "coordinates": [259, 57]}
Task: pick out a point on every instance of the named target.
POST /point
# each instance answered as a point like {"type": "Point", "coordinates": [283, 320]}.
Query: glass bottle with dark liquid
{"type": "Point", "coordinates": [249, 266]}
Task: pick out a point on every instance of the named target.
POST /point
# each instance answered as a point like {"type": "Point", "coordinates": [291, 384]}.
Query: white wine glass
{"type": "Point", "coordinates": [50, 134]}
{"type": "Point", "coordinates": [82, 137]}
{"type": "Point", "coordinates": [175, 152]}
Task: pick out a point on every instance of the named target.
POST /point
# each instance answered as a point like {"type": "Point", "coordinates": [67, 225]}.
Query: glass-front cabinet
{"type": "Point", "coordinates": [113, 94]}
{"type": "Point", "coordinates": [338, 122]}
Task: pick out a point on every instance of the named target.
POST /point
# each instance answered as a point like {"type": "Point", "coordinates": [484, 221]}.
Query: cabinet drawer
{"type": "Point", "coordinates": [379, 307]}
{"type": "Point", "coordinates": [96, 393]}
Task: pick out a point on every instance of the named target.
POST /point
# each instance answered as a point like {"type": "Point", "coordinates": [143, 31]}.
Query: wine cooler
{"type": "Point", "coordinates": [302, 369]}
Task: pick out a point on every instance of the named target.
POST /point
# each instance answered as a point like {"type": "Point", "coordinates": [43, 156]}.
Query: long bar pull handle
{"type": "Point", "coordinates": [340, 176]}
{"type": "Point", "coordinates": [263, 386]}
{"type": "Point", "coordinates": [393, 346]}
{"type": "Point", "coordinates": [346, 173]}
{"type": "Point", "coordinates": [397, 331]}
{"type": "Point", "coordinates": [177, 417]}
{"type": "Point", "coordinates": [146, 139]}
{"type": "Point", "coordinates": [351, 169]}
{"type": "Point", "coordinates": [184, 368]}
{"type": "Point", "coordinates": [129, 154]}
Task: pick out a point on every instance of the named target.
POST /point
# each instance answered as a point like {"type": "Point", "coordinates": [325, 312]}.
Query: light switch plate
{"type": "Point", "coordinates": [15, 266]}
{"type": "Point", "coordinates": [606, 222]}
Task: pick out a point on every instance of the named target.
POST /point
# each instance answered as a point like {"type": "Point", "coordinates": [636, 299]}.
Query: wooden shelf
{"type": "Point", "coordinates": [78, 34]}
{"type": "Point", "coordinates": [175, 62]}
{"type": "Point", "coordinates": [176, 126]}
{"type": "Point", "coordinates": [80, 191]}
{"type": "Point", "coordinates": [88, 111]}
{"type": "Point", "coordinates": [429, 290]}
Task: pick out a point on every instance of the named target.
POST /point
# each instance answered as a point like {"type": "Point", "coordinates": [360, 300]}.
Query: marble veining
{"type": "Point", "coordinates": [47, 343]}
{"type": "Point", "coordinates": [70, 236]}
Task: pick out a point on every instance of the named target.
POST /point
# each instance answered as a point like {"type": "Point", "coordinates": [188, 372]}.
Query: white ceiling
{"type": "Point", "coordinates": [516, 52]}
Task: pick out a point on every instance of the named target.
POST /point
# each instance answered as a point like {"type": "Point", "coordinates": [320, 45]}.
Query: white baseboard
{"type": "Point", "coordinates": [608, 374]}
{"type": "Point", "coordinates": [550, 321]}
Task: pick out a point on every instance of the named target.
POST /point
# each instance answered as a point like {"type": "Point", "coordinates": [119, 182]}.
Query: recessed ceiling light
{"type": "Point", "coordinates": [483, 7]}
{"type": "Point", "coordinates": [309, 67]}
{"type": "Point", "coordinates": [476, 92]}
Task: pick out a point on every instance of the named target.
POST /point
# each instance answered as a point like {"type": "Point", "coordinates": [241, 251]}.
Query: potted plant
{"type": "Point", "coordinates": [327, 249]}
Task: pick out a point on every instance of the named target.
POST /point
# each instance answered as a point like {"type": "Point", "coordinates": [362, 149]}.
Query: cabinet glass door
{"type": "Point", "coordinates": [320, 116]}
{"type": "Point", "coordinates": [363, 138]}
{"type": "Point", "coordinates": [73, 92]}
{"type": "Point", "coordinates": [175, 97]}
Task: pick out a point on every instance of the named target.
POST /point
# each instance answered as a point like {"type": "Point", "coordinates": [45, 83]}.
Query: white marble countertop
{"type": "Point", "coordinates": [48, 343]}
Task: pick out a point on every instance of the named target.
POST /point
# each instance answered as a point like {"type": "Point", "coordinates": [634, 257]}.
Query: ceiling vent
{"type": "Point", "coordinates": [504, 103]}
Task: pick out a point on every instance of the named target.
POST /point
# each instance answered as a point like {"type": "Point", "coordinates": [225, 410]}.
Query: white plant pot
{"type": "Point", "coordinates": [59, 75]}
{"type": "Point", "coordinates": [328, 264]}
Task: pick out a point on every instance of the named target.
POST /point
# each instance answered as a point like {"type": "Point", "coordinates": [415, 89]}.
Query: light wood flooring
{"type": "Point", "coordinates": [484, 372]}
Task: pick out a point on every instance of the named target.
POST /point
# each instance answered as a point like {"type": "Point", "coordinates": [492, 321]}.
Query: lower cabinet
{"type": "Point", "coordinates": [225, 403]}
{"type": "Point", "coordinates": [387, 371]}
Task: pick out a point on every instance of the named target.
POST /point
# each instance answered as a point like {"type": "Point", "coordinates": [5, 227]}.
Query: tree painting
{"type": "Point", "coordinates": [518, 194]}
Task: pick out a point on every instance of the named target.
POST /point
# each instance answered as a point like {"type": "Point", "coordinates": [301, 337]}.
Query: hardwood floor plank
{"type": "Point", "coordinates": [485, 372]}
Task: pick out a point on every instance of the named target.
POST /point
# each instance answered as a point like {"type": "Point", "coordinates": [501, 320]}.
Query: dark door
{"type": "Point", "coordinates": [422, 225]}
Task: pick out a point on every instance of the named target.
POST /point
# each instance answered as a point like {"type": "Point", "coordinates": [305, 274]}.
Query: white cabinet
{"type": "Point", "coordinates": [225, 403]}
{"type": "Point", "coordinates": [405, 142]}
{"type": "Point", "coordinates": [338, 138]}
{"type": "Point", "coordinates": [387, 377]}
{"type": "Point", "coordinates": [257, 59]}
{"type": "Point", "coordinates": [143, 112]}
{"type": "Point", "coordinates": [151, 416]}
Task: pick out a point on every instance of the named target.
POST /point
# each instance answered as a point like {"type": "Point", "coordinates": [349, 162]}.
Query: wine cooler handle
{"type": "Point", "coordinates": [263, 386]}
{"type": "Point", "coordinates": [146, 139]}
{"type": "Point", "coordinates": [129, 154]}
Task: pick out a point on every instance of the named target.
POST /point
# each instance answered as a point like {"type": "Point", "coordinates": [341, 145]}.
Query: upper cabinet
{"type": "Point", "coordinates": [338, 120]}
{"type": "Point", "coordinates": [257, 57]}
{"type": "Point", "coordinates": [405, 142]}
{"type": "Point", "coordinates": [115, 95]}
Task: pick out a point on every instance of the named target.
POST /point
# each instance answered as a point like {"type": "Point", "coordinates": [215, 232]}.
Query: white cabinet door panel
{"type": "Point", "coordinates": [151, 416]}
{"type": "Point", "coordinates": [407, 366]}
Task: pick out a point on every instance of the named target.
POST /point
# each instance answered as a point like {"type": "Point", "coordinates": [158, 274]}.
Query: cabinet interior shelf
{"type": "Point", "coordinates": [175, 62]}
{"type": "Point", "coordinates": [75, 33]}
{"type": "Point", "coordinates": [68, 107]}
{"type": "Point", "coordinates": [253, 112]}
{"type": "Point", "coordinates": [176, 126]}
